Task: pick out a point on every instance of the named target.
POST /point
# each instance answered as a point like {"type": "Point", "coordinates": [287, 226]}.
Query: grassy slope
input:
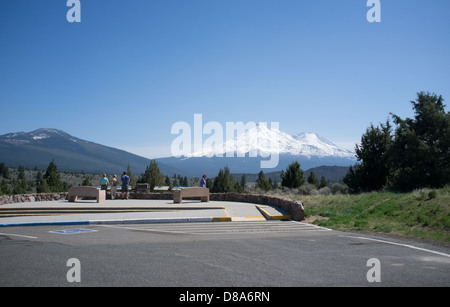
{"type": "Point", "coordinates": [423, 213]}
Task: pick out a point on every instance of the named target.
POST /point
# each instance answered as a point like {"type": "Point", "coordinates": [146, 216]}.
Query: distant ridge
{"type": "Point", "coordinates": [37, 149]}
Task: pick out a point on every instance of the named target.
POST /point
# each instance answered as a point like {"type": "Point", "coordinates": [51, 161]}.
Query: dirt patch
{"type": "Point", "coordinates": [311, 219]}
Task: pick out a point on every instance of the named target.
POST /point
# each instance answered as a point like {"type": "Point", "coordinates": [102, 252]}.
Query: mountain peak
{"type": "Point", "coordinates": [35, 135]}
{"type": "Point", "coordinates": [261, 140]}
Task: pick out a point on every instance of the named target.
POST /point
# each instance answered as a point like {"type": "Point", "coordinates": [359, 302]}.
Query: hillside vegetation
{"type": "Point", "coordinates": [423, 213]}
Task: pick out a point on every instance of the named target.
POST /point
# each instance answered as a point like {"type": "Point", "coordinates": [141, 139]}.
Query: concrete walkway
{"type": "Point", "coordinates": [133, 211]}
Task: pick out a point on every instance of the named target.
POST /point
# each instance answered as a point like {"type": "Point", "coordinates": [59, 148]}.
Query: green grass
{"type": "Point", "coordinates": [422, 213]}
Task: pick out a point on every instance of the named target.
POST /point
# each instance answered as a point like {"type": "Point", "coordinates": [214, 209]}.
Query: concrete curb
{"type": "Point", "coordinates": [269, 216]}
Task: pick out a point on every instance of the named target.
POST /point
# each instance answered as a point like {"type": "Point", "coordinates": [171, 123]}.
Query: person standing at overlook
{"type": "Point", "coordinates": [125, 182]}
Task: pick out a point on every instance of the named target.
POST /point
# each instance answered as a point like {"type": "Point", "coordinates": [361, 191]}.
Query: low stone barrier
{"type": "Point", "coordinates": [26, 198]}
{"type": "Point", "coordinates": [294, 207]}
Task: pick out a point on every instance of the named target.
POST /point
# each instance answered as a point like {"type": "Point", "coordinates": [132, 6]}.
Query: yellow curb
{"type": "Point", "coordinates": [221, 219]}
{"type": "Point", "coordinates": [268, 216]}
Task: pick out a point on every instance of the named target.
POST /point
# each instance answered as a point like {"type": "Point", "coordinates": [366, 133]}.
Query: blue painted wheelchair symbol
{"type": "Point", "coordinates": [72, 231]}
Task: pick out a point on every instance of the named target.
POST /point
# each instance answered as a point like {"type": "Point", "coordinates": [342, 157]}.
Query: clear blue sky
{"type": "Point", "coordinates": [131, 69]}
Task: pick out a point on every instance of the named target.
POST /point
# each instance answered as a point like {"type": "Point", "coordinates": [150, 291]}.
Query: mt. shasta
{"type": "Point", "coordinates": [264, 141]}
{"type": "Point", "coordinates": [245, 152]}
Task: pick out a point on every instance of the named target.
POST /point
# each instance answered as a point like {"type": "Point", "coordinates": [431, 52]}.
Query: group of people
{"type": "Point", "coordinates": [104, 182]}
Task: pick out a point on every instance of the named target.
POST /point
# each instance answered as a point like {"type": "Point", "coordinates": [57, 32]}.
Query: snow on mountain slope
{"type": "Point", "coordinates": [262, 141]}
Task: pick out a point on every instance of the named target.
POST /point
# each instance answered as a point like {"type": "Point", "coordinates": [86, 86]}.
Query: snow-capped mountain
{"type": "Point", "coordinates": [262, 141]}
{"type": "Point", "coordinates": [255, 148]}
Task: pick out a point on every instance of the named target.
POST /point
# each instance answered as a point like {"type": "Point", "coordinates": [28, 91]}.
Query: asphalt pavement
{"type": "Point", "coordinates": [212, 244]}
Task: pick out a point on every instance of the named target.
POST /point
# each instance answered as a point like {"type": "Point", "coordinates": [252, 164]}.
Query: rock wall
{"type": "Point", "coordinates": [295, 208]}
{"type": "Point", "coordinates": [26, 198]}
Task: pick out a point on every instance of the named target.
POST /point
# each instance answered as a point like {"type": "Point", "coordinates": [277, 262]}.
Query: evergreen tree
{"type": "Point", "coordinates": [38, 177]}
{"type": "Point", "coordinates": [373, 172]}
{"type": "Point", "coordinates": [312, 179]}
{"type": "Point", "coordinates": [53, 178]}
{"type": "Point", "coordinates": [86, 181]}
{"type": "Point", "coordinates": [43, 187]}
{"type": "Point", "coordinates": [4, 171]}
{"type": "Point", "coordinates": [4, 186]}
{"type": "Point", "coordinates": [185, 182]}
{"type": "Point", "coordinates": [209, 183]}
{"type": "Point", "coordinates": [224, 182]}
{"type": "Point", "coordinates": [420, 153]}
{"type": "Point", "coordinates": [243, 181]}
{"type": "Point", "coordinates": [152, 175]}
{"type": "Point", "coordinates": [293, 177]}
{"type": "Point", "coordinates": [263, 183]}
{"type": "Point", "coordinates": [21, 170]}
{"type": "Point", "coordinates": [275, 184]}
{"type": "Point", "coordinates": [168, 182]}
{"type": "Point", "coordinates": [323, 182]}
{"type": "Point", "coordinates": [176, 183]}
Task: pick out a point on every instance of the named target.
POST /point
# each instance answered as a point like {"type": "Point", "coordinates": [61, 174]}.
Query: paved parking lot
{"type": "Point", "coordinates": [243, 250]}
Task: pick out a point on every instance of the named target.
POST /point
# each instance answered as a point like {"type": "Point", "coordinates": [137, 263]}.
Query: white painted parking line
{"type": "Point", "coordinates": [145, 229]}
{"type": "Point", "coordinates": [225, 227]}
{"type": "Point", "coordinates": [16, 235]}
{"type": "Point", "coordinates": [401, 244]}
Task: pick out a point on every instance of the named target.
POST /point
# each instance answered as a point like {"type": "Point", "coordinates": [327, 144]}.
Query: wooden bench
{"type": "Point", "coordinates": [203, 193]}
{"type": "Point", "coordinates": [85, 191]}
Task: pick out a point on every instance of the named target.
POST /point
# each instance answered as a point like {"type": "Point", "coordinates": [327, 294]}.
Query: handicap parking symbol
{"type": "Point", "coordinates": [72, 231]}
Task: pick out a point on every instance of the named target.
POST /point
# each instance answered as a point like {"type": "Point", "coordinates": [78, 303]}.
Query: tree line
{"type": "Point", "coordinates": [416, 154]}
{"type": "Point", "coordinates": [51, 181]}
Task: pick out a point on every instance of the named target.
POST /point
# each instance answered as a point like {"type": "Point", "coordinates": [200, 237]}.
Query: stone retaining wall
{"type": "Point", "coordinates": [26, 198]}
{"type": "Point", "coordinates": [295, 208]}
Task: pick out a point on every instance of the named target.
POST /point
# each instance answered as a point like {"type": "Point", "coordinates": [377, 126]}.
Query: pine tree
{"type": "Point", "coordinates": [224, 182]}
{"type": "Point", "coordinates": [4, 171]}
{"type": "Point", "coordinates": [373, 153]}
{"type": "Point", "coordinates": [176, 183]}
{"type": "Point", "coordinates": [43, 187]}
{"type": "Point", "coordinates": [86, 181]}
{"type": "Point", "coordinates": [420, 153]}
{"type": "Point", "coordinates": [243, 181]}
{"type": "Point", "coordinates": [293, 177]}
{"type": "Point", "coordinates": [53, 178]}
{"type": "Point", "coordinates": [4, 186]}
{"type": "Point", "coordinates": [152, 175]}
{"type": "Point", "coordinates": [263, 183]}
{"type": "Point", "coordinates": [312, 179]}
{"type": "Point", "coordinates": [323, 182]}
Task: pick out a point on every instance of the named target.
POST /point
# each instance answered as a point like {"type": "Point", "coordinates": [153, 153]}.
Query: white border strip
{"type": "Point", "coordinates": [11, 234]}
{"type": "Point", "coordinates": [401, 244]}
